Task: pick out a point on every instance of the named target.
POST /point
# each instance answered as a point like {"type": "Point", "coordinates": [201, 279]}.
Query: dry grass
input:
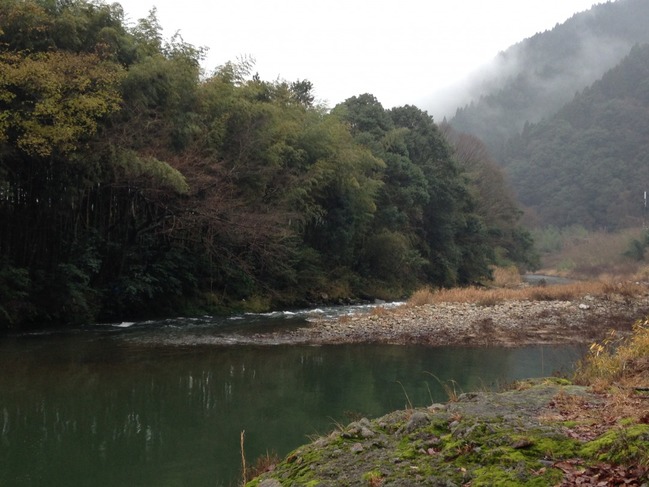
{"type": "Point", "coordinates": [622, 361]}
{"type": "Point", "coordinates": [506, 276]}
{"type": "Point", "coordinates": [345, 319]}
{"type": "Point", "coordinates": [491, 296]}
{"type": "Point", "coordinates": [263, 464]}
{"type": "Point", "coordinates": [422, 296]}
{"type": "Point", "coordinates": [589, 255]}
{"type": "Point", "coordinates": [379, 311]}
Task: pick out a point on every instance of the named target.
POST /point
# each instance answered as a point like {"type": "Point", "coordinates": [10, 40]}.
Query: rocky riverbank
{"type": "Point", "coordinates": [544, 433]}
{"type": "Point", "coordinates": [508, 323]}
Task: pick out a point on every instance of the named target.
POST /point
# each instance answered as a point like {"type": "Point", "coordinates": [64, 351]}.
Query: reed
{"type": "Point", "coordinates": [450, 387]}
{"type": "Point", "coordinates": [244, 469]}
{"type": "Point", "coordinates": [410, 406]}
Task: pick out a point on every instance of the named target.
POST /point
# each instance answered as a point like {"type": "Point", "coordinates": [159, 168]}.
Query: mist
{"type": "Point", "coordinates": [546, 69]}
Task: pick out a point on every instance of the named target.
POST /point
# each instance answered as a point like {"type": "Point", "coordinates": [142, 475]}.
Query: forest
{"type": "Point", "coordinates": [565, 115]}
{"type": "Point", "coordinates": [589, 164]}
{"type": "Point", "coordinates": [133, 184]}
{"type": "Point", "coordinates": [533, 79]}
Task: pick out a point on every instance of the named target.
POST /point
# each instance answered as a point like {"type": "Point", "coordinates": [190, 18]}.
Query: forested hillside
{"type": "Point", "coordinates": [589, 164]}
{"type": "Point", "coordinates": [534, 78]}
{"type": "Point", "coordinates": [133, 185]}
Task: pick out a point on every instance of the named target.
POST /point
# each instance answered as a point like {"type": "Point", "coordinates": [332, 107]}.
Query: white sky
{"type": "Point", "coordinates": [400, 51]}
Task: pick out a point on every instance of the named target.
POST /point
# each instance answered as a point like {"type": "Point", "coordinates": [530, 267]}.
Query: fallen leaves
{"type": "Point", "coordinates": [602, 475]}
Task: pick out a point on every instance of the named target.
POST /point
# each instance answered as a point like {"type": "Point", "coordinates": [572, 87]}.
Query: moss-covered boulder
{"type": "Point", "coordinates": [531, 435]}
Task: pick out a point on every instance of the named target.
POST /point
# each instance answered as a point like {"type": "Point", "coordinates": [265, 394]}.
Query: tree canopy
{"type": "Point", "coordinates": [132, 185]}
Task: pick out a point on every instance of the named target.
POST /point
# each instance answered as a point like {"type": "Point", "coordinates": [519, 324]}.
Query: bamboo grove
{"type": "Point", "coordinates": [133, 185]}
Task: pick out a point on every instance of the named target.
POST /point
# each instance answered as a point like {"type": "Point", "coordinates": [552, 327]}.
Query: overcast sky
{"type": "Point", "coordinates": [403, 52]}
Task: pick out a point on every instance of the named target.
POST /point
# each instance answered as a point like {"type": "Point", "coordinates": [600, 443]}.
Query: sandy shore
{"type": "Point", "coordinates": [510, 323]}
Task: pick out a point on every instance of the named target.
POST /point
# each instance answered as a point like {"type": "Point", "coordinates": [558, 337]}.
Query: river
{"type": "Point", "coordinates": [148, 404]}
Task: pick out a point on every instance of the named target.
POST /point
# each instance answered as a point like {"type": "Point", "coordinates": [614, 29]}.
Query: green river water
{"type": "Point", "coordinates": [160, 405]}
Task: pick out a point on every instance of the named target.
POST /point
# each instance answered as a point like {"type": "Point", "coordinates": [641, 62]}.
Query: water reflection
{"type": "Point", "coordinates": [78, 410]}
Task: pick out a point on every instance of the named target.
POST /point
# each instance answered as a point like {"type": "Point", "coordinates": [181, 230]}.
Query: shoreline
{"type": "Point", "coordinates": [508, 323]}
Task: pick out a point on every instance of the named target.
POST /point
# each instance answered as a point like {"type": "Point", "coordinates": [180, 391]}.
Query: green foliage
{"type": "Point", "coordinates": [133, 185]}
{"type": "Point", "coordinates": [153, 281]}
{"type": "Point", "coordinates": [51, 102]}
{"type": "Point", "coordinates": [390, 258]}
{"type": "Point", "coordinates": [638, 247]}
{"type": "Point", "coordinates": [133, 167]}
{"type": "Point", "coordinates": [424, 207]}
{"type": "Point", "coordinates": [495, 203]}
{"type": "Point", "coordinates": [14, 293]}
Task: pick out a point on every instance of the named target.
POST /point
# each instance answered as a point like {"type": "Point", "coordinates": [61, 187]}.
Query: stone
{"type": "Point", "coordinates": [357, 448]}
{"type": "Point", "coordinates": [437, 407]}
{"type": "Point", "coordinates": [417, 420]}
{"type": "Point", "coordinates": [366, 432]}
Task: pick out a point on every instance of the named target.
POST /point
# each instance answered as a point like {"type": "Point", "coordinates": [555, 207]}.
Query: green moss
{"type": "Point", "coordinates": [497, 475]}
{"type": "Point", "coordinates": [496, 454]}
{"type": "Point", "coordinates": [552, 447]}
{"type": "Point", "coordinates": [296, 469]}
{"type": "Point", "coordinates": [476, 449]}
{"type": "Point", "coordinates": [406, 449]}
{"type": "Point", "coordinates": [372, 476]}
{"type": "Point", "coordinates": [624, 445]}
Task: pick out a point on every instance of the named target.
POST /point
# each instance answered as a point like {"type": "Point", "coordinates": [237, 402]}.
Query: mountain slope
{"type": "Point", "coordinates": [589, 164]}
{"type": "Point", "coordinates": [534, 78]}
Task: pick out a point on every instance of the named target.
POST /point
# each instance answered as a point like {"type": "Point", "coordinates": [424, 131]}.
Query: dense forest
{"type": "Point", "coordinates": [589, 163]}
{"type": "Point", "coordinates": [132, 184]}
{"type": "Point", "coordinates": [533, 79]}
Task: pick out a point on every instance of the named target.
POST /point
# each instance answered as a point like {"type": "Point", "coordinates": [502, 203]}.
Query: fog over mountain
{"type": "Point", "coordinates": [589, 163]}
{"type": "Point", "coordinates": [536, 77]}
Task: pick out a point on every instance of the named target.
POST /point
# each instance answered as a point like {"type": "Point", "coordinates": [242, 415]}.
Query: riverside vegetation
{"type": "Point", "coordinates": [134, 184]}
{"type": "Point", "coordinates": [590, 430]}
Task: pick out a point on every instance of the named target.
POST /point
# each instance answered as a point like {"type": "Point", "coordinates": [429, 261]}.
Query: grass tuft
{"type": "Point", "coordinates": [422, 296]}
{"type": "Point", "coordinates": [618, 360]}
{"type": "Point", "coordinates": [450, 387]}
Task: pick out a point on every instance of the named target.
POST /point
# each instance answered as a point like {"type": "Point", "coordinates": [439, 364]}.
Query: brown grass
{"type": "Point", "coordinates": [506, 276]}
{"type": "Point", "coordinates": [422, 296]}
{"type": "Point", "coordinates": [379, 311]}
{"type": "Point", "coordinates": [618, 360]}
{"type": "Point", "coordinates": [491, 296]}
{"type": "Point", "coordinates": [263, 464]}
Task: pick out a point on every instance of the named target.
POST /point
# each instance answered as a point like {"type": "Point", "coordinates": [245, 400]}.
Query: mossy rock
{"type": "Point", "coordinates": [483, 438]}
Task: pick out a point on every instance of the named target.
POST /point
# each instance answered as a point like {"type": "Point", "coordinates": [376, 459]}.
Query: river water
{"type": "Point", "coordinates": [149, 404]}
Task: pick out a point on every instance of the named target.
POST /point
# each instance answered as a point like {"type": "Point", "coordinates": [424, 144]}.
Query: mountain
{"type": "Point", "coordinates": [589, 163]}
{"type": "Point", "coordinates": [536, 77]}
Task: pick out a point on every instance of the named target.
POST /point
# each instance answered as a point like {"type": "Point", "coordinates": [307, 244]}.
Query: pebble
{"type": "Point", "coordinates": [510, 323]}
